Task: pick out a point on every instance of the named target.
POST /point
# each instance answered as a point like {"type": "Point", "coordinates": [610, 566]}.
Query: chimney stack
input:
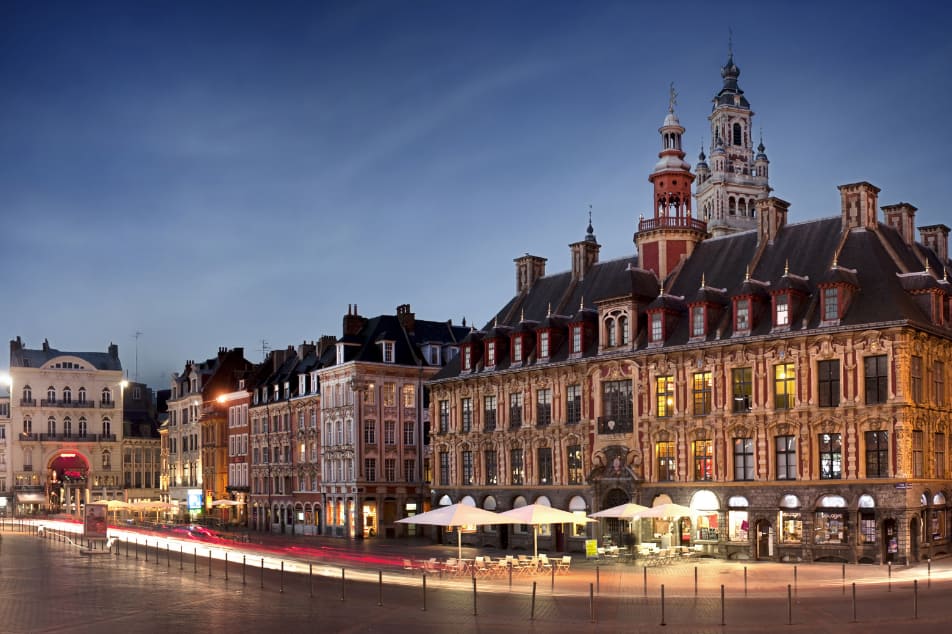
{"type": "Point", "coordinates": [858, 204]}
{"type": "Point", "coordinates": [529, 268]}
{"type": "Point", "coordinates": [773, 217]}
{"type": "Point", "coordinates": [406, 317]}
{"type": "Point", "coordinates": [353, 322]}
{"type": "Point", "coordinates": [902, 217]}
{"type": "Point", "coordinates": [936, 237]}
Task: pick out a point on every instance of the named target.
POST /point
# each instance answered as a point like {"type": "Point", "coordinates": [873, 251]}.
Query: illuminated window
{"type": "Point", "coordinates": [702, 393]}
{"type": "Point", "coordinates": [704, 459]}
{"type": "Point", "coordinates": [664, 395]}
{"type": "Point", "coordinates": [782, 311]}
{"type": "Point", "coordinates": [664, 451]}
{"type": "Point", "coordinates": [574, 464]}
{"type": "Point", "coordinates": [831, 457]}
{"type": "Point", "coordinates": [741, 389]}
{"type": "Point", "coordinates": [784, 386]}
{"type": "Point", "coordinates": [517, 472]}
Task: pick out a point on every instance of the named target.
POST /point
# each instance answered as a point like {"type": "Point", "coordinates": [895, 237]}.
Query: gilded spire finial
{"type": "Point", "coordinates": [581, 303]}
{"type": "Point", "coordinates": [703, 281]}
{"type": "Point", "coordinates": [835, 262]}
{"type": "Point", "coordinates": [747, 274]}
{"type": "Point", "coordinates": [786, 268]}
{"type": "Point", "coordinates": [522, 314]}
{"type": "Point", "coordinates": [549, 313]}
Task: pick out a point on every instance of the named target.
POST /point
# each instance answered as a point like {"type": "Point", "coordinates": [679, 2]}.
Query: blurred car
{"type": "Point", "coordinates": [194, 531]}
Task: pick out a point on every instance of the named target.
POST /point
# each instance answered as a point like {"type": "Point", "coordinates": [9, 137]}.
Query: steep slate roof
{"type": "Point", "coordinates": [864, 259]}
{"type": "Point", "coordinates": [21, 357]}
{"type": "Point", "coordinates": [407, 345]}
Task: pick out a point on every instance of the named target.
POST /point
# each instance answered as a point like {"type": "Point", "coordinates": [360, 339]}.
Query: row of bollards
{"type": "Point", "coordinates": [69, 538]}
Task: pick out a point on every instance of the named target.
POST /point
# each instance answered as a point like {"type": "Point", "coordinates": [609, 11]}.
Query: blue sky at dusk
{"type": "Point", "coordinates": [218, 174]}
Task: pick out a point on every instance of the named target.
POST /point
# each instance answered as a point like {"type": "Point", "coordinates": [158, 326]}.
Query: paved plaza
{"type": "Point", "coordinates": [50, 583]}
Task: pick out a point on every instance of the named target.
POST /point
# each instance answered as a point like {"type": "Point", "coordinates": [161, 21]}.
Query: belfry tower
{"type": "Point", "coordinates": [728, 188]}
{"type": "Point", "coordinates": [672, 233]}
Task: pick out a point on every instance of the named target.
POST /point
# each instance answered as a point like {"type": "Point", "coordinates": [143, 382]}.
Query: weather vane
{"type": "Point", "coordinates": [672, 98]}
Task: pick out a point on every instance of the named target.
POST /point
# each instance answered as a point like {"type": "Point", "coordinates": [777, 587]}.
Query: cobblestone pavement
{"type": "Point", "coordinates": [49, 584]}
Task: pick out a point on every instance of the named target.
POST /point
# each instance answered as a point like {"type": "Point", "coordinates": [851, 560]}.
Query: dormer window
{"type": "Point", "coordinates": [781, 310]}
{"type": "Point", "coordinates": [467, 358]}
{"type": "Point", "coordinates": [576, 339]}
{"type": "Point", "coordinates": [517, 349]}
{"type": "Point", "coordinates": [434, 355]}
{"type": "Point", "coordinates": [388, 352]}
{"type": "Point", "coordinates": [697, 321]}
{"type": "Point", "coordinates": [340, 353]}
{"type": "Point", "coordinates": [742, 315]}
{"type": "Point", "coordinates": [490, 353]}
{"type": "Point", "coordinates": [831, 304]}
{"type": "Point", "coordinates": [657, 327]}
{"type": "Point", "coordinates": [544, 345]}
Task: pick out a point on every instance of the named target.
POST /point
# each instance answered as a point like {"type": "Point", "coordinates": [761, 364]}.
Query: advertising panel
{"type": "Point", "coordinates": [195, 500]}
{"type": "Point", "coordinates": [95, 521]}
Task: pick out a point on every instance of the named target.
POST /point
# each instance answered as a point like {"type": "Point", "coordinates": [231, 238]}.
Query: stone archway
{"type": "Point", "coordinates": [67, 482]}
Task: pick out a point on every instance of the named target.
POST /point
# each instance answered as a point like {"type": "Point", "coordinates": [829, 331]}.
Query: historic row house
{"type": "Point", "coordinates": [787, 382]}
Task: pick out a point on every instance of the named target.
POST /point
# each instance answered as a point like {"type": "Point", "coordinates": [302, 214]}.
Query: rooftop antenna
{"type": "Point", "coordinates": [265, 349]}
{"type": "Point", "coordinates": [137, 335]}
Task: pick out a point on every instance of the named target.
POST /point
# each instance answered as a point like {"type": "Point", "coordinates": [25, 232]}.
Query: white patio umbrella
{"type": "Point", "coordinates": [668, 509]}
{"type": "Point", "coordinates": [536, 514]}
{"type": "Point", "coordinates": [624, 511]}
{"type": "Point", "coordinates": [457, 515]}
{"type": "Point", "coordinates": [225, 503]}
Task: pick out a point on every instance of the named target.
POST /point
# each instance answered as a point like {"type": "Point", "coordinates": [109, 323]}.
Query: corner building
{"type": "Point", "coordinates": [787, 382]}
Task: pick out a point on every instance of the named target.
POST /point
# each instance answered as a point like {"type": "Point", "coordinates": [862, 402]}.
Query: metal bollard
{"type": "Point", "coordinates": [181, 556]}
{"type": "Point", "coordinates": [789, 605]}
{"type": "Point", "coordinates": [341, 584]}
{"type": "Point", "coordinates": [553, 578]}
{"type": "Point", "coordinates": [380, 587]}
{"type": "Point", "coordinates": [794, 576]}
{"type": "Point", "coordinates": [282, 575]}
{"type": "Point", "coordinates": [209, 563]}
{"type": "Point", "coordinates": [695, 580]}
{"type": "Point", "coordinates": [424, 591]}
{"type": "Point", "coordinates": [226, 565]}
{"type": "Point", "coordinates": [889, 572]}
{"type": "Point", "coordinates": [645, 571]}
{"type": "Point", "coordinates": [591, 601]}
{"type": "Point", "coordinates": [510, 573]}
{"type": "Point", "coordinates": [915, 598]}
{"type": "Point", "coordinates": [310, 580]}
{"type": "Point", "coordinates": [474, 595]}
{"type": "Point", "coordinates": [262, 572]}
{"type": "Point", "coordinates": [745, 581]}
{"type": "Point", "coordinates": [532, 609]}
{"type": "Point", "coordinates": [243, 562]}
{"type": "Point", "coordinates": [662, 605]}
{"type": "Point", "coordinates": [854, 602]}
{"type": "Point", "coordinates": [722, 605]}
{"type": "Point", "coordinates": [168, 555]}
{"type": "Point", "coordinates": [195, 560]}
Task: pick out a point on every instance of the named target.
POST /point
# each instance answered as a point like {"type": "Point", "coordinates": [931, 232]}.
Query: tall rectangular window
{"type": "Point", "coordinates": [782, 313]}
{"type": "Point", "coordinates": [915, 379]}
{"type": "Point", "coordinates": [543, 407]}
{"type": "Point", "coordinates": [490, 353]}
{"type": "Point", "coordinates": [743, 458]}
{"type": "Point", "coordinates": [390, 469]}
{"type": "Point", "coordinates": [491, 467]}
{"type": "Point", "coordinates": [544, 345]}
{"type": "Point", "coordinates": [786, 452]}
{"type": "Point", "coordinates": [828, 382]}
{"type": "Point", "coordinates": [409, 437]}
{"type": "Point", "coordinates": [831, 457]}
{"type": "Point", "coordinates": [544, 463]}
{"type": "Point", "coordinates": [704, 459]}
{"type": "Point", "coordinates": [573, 404]}
{"type": "Point", "coordinates": [576, 339]}
{"type": "Point", "coordinates": [742, 389]}
{"type": "Point", "coordinates": [517, 469]}
{"type": "Point", "coordinates": [784, 386]}
{"type": "Point", "coordinates": [664, 451]}
{"type": "Point", "coordinates": [466, 460]}
{"type": "Point", "coordinates": [389, 432]}
{"type": "Point", "coordinates": [657, 331]}
{"type": "Point", "coordinates": [370, 469]}
{"type": "Point", "coordinates": [409, 470]}
{"type": "Point", "coordinates": [876, 375]}
{"type": "Point", "coordinates": [877, 454]}
{"type": "Point", "coordinates": [489, 413]}
{"type": "Point", "coordinates": [573, 463]}
{"type": "Point", "coordinates": [938, 383]}
{"type": "Point", "coordinates": [917, 465]}
{"type": "Point", "coordinates": [370, 432]}
{"type": "Point", "coordinates": [517, 349]}
{"type": "Point", "coordinates": [831, 304]}
{"type": "Point", "coordinates": [515, 410]}
{"type": "Point", "coordinates": [389, 394]}
{"type": "Point", "coordinates": [742, 315]}
{"type": "Point", "coordinates": [664, 395]}
{"type": "Point", "coordinates": [702, 393]}
{"type": "Point", "coordinates": [617, 407]}
{"type": "Point", "coordinates": [444, 468]}
{"type": "Point", "coordinates": [444, 416]}
{"type": "Point", "coordinates": [697, 321]}
{"type": "Point", "coordinates": [939, 450]}
{"type": "Point", "coordinates": [466, 414]}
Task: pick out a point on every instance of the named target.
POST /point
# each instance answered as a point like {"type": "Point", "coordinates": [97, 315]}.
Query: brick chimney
{"type": "Point", "coordinates": [529, 268]}
{"type": "Point", "coordinates": [325, 342]}
{"type": "Point", "coordinates": [902, 217]}
{"type": "Point", "coordinates": [772, 213]}
{"type": "Point", "coordinates": [858, 203]}
{"type": "Point", "coordinates": [406, 317]}
{"type": "Point", "coordinates": [353, 322]}
{"type": "Point", "coordinates": [936, 237]}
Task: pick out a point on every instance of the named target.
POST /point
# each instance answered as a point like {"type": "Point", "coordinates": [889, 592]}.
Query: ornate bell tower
{"type": "Point", "coordinates": [671, 233]}
{"type": "Point", "coordinates": [729, 187]}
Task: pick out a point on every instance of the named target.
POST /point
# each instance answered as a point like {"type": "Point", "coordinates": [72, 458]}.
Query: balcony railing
{"type": "Point", "coordinates": [107, 404]}
{"type": "Point", "coordinates": [24, 436]}
{"type": "Point", "coordinates": [615, 425]}
{"type": "Point", "coordinates": [671, 222]}
{"type": "Point", "coordinates": [70, 403]}
{"type": "Point", "coordinates": [27, 402]}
